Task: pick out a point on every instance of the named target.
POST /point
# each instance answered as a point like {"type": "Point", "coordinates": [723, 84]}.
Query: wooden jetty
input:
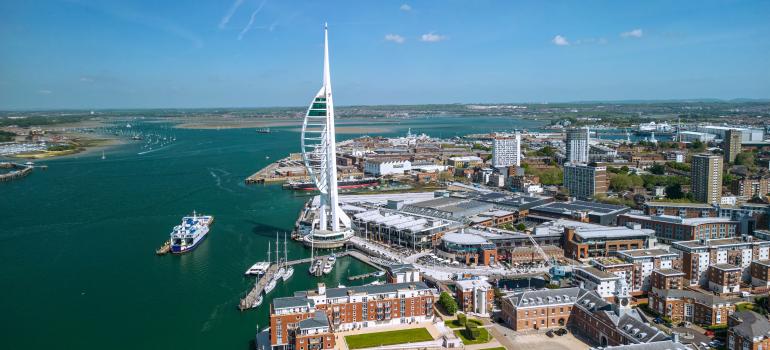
{"type": "Point", "coordinates": [247, 302]}
{"type": "Point", "coordinates": [164, 249]}
{"type": "Point", "coordinates": [364, 275]}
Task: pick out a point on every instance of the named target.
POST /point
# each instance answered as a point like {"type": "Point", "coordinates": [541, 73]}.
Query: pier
{"type": "Point", "coordinates": [248, 300]}
{"type": "Point", "coordinates": [18, 171]}
{"type": "Point", "coordinates": [274, 174]}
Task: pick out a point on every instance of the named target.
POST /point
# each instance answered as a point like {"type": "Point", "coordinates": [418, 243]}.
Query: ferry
{"type": "Point", "coordinates": [191, 232]}
{"type": "Point", "coordinates": [341, 184]}
{"type": "Point", "coordinates": [258, 269]}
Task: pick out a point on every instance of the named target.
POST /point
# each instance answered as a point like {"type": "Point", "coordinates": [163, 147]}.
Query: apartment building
{"type": "Point", "coordinates": [604, 283]}
{"type": "Point", "coordinates": [724, 278]}
{"type": "Point", "coordinates": [581, 242]}
{"type": "Point", "coordinates": [760, 273]}
{"type": "Point", "coordinates": [706, 178]}
{"type": "Point", "coordinates": [674, 228]}
{"type": "Point", "coordinates": [666, 279]}
{"type": "Point", "coordinates": [297, 321]}
{"type": "Point", "coordinates": [748, 331]}
{"type": "Point", "coordinates": [644, 262]}
{"type": "Point", "coordinates": [585, 181]}
{"type": "Point", "coordinates": [683, 210]}
{"type": "Point", "coordinates": [698, 255]}
{"type": "Point", "coordinates": [475, 296]}
{"type": "Point", "coordinates": [692, 306]}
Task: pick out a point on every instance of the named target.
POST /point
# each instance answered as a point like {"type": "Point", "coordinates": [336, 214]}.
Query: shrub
{"type": "Point", "coordinates": [448, 303]}
{"type": "Point", "coordinates": [462, 319]}
{"type": "Point", "coordinates": [472, 331]}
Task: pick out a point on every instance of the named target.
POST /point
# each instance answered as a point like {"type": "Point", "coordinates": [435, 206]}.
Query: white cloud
{"type": "Point", "coordinates": [433, 37]}
{"type": "Point", "coordinates": [44, 92]}
{"type": "Point", "coordinates": [230, 13]}
{"type": "Point", "coordinates": [395, 38]}
{"type": "Point", "coordinates": [560, 40]}
{"type": "Point", "coordinates": [87, 79]}
{"type": "Point", "coordinates": [405, 7]}
{"type": "Point", "coordinates": [636, 33]}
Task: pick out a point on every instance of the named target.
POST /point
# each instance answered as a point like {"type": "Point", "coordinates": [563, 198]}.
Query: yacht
{"type": "Point", "coordinates": [289, 271]}
{"type": "Point", "coordinates": [257, 302]}
{"type": "Point", "coordinates": [328, 267]}
{"type": "Point", "coordinates": [258, 269]}
{"type": "Point", "coordinates": [271, 285]}
{"type": "Point", "coordinates": [315, 266]}
{"type": "Point", "coordinates": [280, 274]}
{"type": "Point", "coordinates": [332, 258]}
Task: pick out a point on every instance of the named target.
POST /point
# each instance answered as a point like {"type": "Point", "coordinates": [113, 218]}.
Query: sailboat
{"type": "Point", "coordinates": [271, 284]}
{"type": "Point", "coordinates": [289, 270]}
{"type": "Point", "coordinates": [281, 267]}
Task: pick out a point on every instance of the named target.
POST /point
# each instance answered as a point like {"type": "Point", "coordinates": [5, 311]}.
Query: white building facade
{"type": "Point", "coordinates": [506, 151]}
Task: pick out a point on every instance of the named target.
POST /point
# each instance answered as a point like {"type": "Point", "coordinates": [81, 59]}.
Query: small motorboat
{"type": "Point", "coordinates": [328, 267]}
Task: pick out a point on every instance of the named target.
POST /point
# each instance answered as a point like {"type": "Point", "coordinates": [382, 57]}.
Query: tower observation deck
{"type": "Point", "coordinates": [333, 227]}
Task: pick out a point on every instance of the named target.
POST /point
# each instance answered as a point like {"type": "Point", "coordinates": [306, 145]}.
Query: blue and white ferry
{"type": "Point", "coordinates": [190, 233]}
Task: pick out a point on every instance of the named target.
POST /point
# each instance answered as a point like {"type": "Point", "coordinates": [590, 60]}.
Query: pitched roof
{"type": "Point", "coordinates": [752, 325]}
{"type": "Point", "coordinates": [703, 298]}
{"type": "Point", "coordinates": [319, 320]}
{"type": "Point", "coordinates": [544, 297]}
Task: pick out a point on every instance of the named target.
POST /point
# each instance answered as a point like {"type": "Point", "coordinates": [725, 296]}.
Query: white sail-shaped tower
{"type": "Point", "coordinates": [320, 157]}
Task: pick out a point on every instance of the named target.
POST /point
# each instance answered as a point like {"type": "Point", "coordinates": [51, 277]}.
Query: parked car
{"type": "Point", "coordinates": [561, 331]}
{"type": "Point", "coordinates": [658, 320]}
{"type": "Point", "coordinates": [549, 334]}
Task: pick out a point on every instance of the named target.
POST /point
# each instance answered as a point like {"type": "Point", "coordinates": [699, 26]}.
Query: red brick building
{"type": "Point", "coordinates": [298, 322]}
{"type": "Point", "coordinates": [692, 306]}
{"type": "Point", "coordinates": [475, 296]}
{"type": "Point", "coordinates": [724, 278]}
{"type": "Point", "coordinates": [667, 279]}
{"type": "Point", "coordinates": [674, 228]}
{"type": "Point", "coordinates": [748, 330]}
{"type": "Point", "coordinates": [760, 273]}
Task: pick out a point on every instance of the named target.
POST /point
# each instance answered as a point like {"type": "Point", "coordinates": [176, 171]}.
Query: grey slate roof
{"type": "Point", "coordinates": [703, 298]}
{"type": "Point", "coordinates": [401, 268]}
{"type": "Point", "coordinates": [319, 320]}
{"type": "Point", "coordinates": [375, 289]}
{"type": "Point", "coordinates": [296, 301]}
{"type": "Point", "coordinates": [658, 345]}
{"type": "Point", "coordinates": [544, 297]}
{"type": "Point", "coordinates": [752, 325]}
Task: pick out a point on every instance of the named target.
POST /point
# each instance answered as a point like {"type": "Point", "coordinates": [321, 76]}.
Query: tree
{"type": "Point", "coordinates": [698, 146]}
{"type": "Point", "coordinates": [546, 151]}
{"type": "Point", "coordinates": [472, 330]}
{"type": "Point", "coordinates": [448, 303]}
{"type": "Point", "coordinates": [657, 169]}
{"type": "Point", "coordinates": [521, 226]}
{"type": "Point", "coordinates": [674, 191]}
{"type": "Point", "coordinates": [746, 159]}
{"type": "Point", "coordinates": [622, 182]}
{"type": "Point", "coordinates": [624, 169]}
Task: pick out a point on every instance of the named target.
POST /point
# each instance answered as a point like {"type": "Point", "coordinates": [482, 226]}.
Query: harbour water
{"type": "Point", "coordinates": [77, 240]}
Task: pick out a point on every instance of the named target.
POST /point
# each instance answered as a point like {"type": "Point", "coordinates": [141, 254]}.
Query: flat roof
{"type": "Point", "coordinates": [726, 267]}
{"type": "Point", "coordinates": [597, 273]}
{"type": "Point", "coordinates": [464, 238]}
{"type": "Point", "coordinates": [646, 253]}
{"type": "Point", "coordinates": [680, 205]}
{"type": "Point", "coordinates": [669, 272]}
{"type": "Point", "coordinates": [765, 263]}
{"type": "Point", "coordinates": [716, 243]}
{"type": "Point", "coordinates": [679, 220]}
{"type": "Point", "coordinates": [566, 208]}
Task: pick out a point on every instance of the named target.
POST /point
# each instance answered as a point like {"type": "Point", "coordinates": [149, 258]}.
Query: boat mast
{"type": "Point", "coordinates": [277, 257]}
{"type": "Point", "coordinates": [268, 252]}
{"type": "Point", "coordinates": [285, 251]}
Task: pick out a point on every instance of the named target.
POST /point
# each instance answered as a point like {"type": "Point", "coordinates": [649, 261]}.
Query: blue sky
{"type": "Point", "coordinates": [252, 53]}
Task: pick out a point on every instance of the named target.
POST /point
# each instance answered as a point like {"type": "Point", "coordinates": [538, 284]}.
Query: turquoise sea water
{"type": "Point", "coordinates": [77, 240]}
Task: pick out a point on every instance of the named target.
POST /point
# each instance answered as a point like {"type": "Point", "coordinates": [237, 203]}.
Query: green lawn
{"type": "Point", "coordinates": [497, 348]}
{"type": "Point", "coordinates": [456, 324]}
{"type": "Point", "coordinates": [483, 337]}
{"type": "Point", "coordinates": [368, 340]}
